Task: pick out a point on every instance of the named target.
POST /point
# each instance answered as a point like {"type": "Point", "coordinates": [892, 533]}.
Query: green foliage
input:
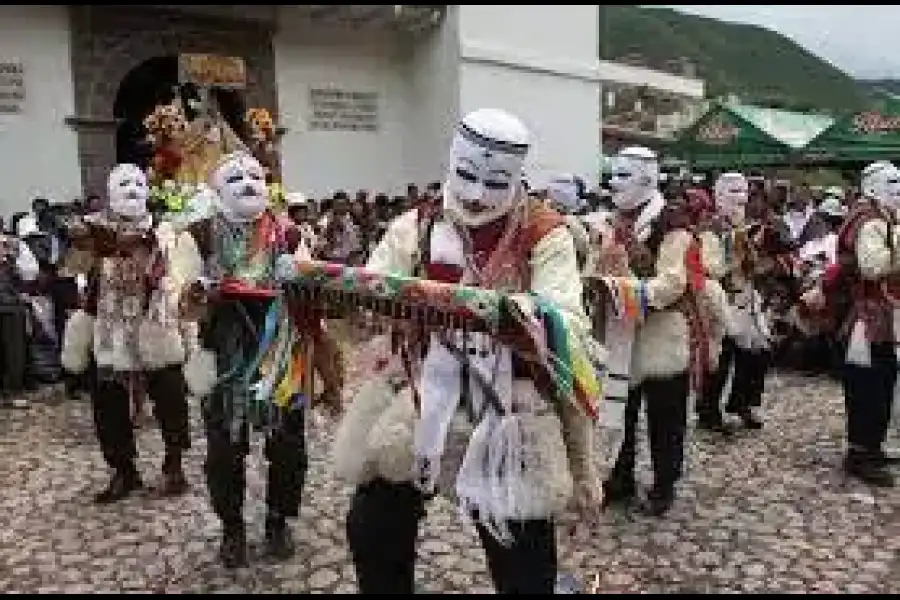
{"type": "Point", "coordinates": [757, 65]}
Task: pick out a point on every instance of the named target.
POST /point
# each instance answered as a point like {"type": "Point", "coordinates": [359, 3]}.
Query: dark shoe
{"type": "Point", "coordinates": [616, 493]}
{"type": "Point", "coordinates": [868, 469]}
{"type": "Point", "coordinates": [888, 460]}
{"type": "Point", "coordinates": [233, 551]}
{"type": "Point", "coordinates": [714, 425]}
{"type": "Point", "coordinates": [122, 484]}
{"type": "Point", "coordinates": [750, 421]}
{"type": "Point", "coordinates": [658, 502]}
{"type": "Point", "coordinates": [279, 542]}
{"type": "Point", "coordinates": [171, 484]}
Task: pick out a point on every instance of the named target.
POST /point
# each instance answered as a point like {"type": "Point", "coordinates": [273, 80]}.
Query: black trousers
{"type": "Point", "coordinates": [228, 335]}
{"type": "Point", "coordinates": [111, 403]}
{"type": "Point", "coordinates": [666, 410]}
{"type": "Point", "coordinates": [749, 381]}
{"type": "Point", "coordinates": [868, 399]}
{"type": "Point", "coordinates": [747, 385]}
{"type": "Point", "coordinates": [13, 347]}
{"type": "Point", "coordinates": [383, 531]}
{"type": "Point", "coordinates": [708, 405]}
{"type": "Point", "coordinates": [63, 291]}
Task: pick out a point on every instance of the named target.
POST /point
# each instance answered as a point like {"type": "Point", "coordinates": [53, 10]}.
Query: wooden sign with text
{"type": "Point", "coordinates": [212, 70]}
{"type": "Point", "coordinates": [718, 131]}
{"type": "Point", "coordinates": [343, 110]}
{"type": "Point", "coordinates": [12, 88]}
{"type": "Point", "coordinates": [872, 122]}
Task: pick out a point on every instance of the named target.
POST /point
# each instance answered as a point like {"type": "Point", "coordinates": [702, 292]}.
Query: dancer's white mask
{"type": "Point", "coordinates": [635, 177]}
{"type": "Point", "coordinates": [880, 183]}
{"type": "Point", "coordinates": [128, 191]}
{"type": "Point", "coordinates": [565, 193]}
{"type": "Point", "coordinates": [732, 192]}
{"type": "Point", "coordinates": [240, 181]}
{"type": "Point", "coordinates": [484, 179]}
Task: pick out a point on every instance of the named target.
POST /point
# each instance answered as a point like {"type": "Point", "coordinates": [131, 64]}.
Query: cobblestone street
{"type": "Point", "coordinates": [769, 512]}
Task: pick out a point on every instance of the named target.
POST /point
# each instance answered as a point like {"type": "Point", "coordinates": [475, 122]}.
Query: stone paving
{"type": "Point", "coordinates": [769, 511]}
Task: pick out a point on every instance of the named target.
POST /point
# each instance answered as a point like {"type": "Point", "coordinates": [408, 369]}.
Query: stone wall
{"type": "Point", "coordinates": [109, 41]}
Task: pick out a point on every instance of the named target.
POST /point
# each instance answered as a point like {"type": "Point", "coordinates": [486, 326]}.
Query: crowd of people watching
{"type": "Point", "coordinates": [37, 291]}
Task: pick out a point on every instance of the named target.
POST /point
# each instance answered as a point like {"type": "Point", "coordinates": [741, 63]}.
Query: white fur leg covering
{"type": "Point", "coordinates": [77, 342]}
{"type": "Point", "coordinates": [159, 346]}
{"type": "Point", "coordinates": [353, 458]}
{"type": "Point", "coordinates": [200, 373]}
{"type": "Point", "coordinates": [392, 440]}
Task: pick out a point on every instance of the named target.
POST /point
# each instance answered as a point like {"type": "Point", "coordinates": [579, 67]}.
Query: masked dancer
{"type": "Point", "coordinates": [246, 358]}
{"type": "Point", "coordinates": [487, 234]}
{"type": "Point", "coordinates": [653, 240]}
{"type": "Point", "coordinates": [127, 330]}
{"type": "Point", "coordinates": [861, 295]}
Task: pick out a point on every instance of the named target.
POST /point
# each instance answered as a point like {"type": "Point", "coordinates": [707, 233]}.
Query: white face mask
{"type": "Point", "coordinates": [483, 182]}
{"type": "Point", "coordinates": [797, 214]}
{"type": "Point", "coordinates": [563, 195]}
{"type": "Point", "coordinates": [241, 184]}
{"type": "Point", "coordinates": [890, 195]}
{"type": "Point", "coordinates": [732, 194]}
{"type": "Point", "coordinates": [128, 191]}
{"type": "Point", "coordinates": [631, 183]}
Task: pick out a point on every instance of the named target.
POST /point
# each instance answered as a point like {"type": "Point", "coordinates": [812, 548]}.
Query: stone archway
{"type": "Point", "coordinates": [109, 42]}
{"type": "Point", "coordinates": [149, 84]}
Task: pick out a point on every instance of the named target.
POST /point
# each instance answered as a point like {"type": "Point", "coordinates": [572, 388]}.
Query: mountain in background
{"type": "Point", "coordinates": [757, 65]}
{"type": "Point", "coordinates": [891, 87]}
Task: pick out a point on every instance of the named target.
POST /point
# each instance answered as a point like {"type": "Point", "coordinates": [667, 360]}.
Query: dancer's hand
{"type": "Point", "coordinates": [813, 299]}
{"type": "Point", "coordinates": [194, 300]}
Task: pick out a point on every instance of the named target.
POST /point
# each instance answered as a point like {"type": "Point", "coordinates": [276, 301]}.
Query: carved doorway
{"type": "Point", "coordinates": [149, 84]}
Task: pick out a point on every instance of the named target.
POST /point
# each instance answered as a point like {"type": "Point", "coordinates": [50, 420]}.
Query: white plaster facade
{"type": "Point", "coordinates": [510, 57]}
{"type": "Point", "coordinates": [38, 151]}
{"type": "Point", "coordinates": [481, 56]}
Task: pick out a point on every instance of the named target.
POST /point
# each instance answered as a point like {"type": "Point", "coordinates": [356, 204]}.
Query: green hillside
{"type": "Point", "coordinates": [883, 86]}
{"type": "Point", "coordinates": [758, 65]}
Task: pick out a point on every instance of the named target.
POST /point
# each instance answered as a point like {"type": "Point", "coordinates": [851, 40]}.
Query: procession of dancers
{"type": "Point", "coordinates": [657, 300]}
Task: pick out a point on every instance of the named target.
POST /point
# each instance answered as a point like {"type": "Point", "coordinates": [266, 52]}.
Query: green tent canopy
{"type": "Point", "coordinates": [861, 137]}
{"type": "Point", "coordinates": [740, 136]}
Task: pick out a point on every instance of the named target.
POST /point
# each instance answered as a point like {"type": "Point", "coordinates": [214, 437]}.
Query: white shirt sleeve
{"type": "Point", "coordinates": [26, 263]}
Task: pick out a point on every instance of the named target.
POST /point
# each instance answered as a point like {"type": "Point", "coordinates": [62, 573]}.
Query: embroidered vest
{"type": "Point", "coordinates": [246, 252]}
{"type": "Point", "coordinates": [643, 257]}
{"type": "Point", "coordinates": [539, 221]}
{"type": "Point", "coordinates": [850, 296]}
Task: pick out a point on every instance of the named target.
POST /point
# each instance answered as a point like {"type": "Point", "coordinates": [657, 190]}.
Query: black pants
{"type": "Point", "coordinates": [13, 347]}
{"type": "Point", "coordinates": [749, 381]}
{"type": "Point", "coordinates": [63, 291]}
{"type": "Point", "coordinates": [383, 531]}
{"type": "Point", "coordinates": [228, 335]}
{"type": "Point", "coordinates": [111, 402]}
{"type": "Point", "coordinates": [226, 476]}
{"type": "Point", "coordinates": [747, 385]}
{"type": "Point", "coordinates": [868, 398]}
{"type": "Point", "coordinates": [708, 404]}
{"type": "Point", "coordinates": [666, 410]}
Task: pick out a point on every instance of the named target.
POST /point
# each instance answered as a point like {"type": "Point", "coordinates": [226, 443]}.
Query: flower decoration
{"type": "Point", "coordinates": [165, 163]}
{"type": "Point", "coordinates": [276, 195]}
{"type": "Point", "coordinates": [174, 196]}
{"type": "Point", "coordinates": [262, 126]}
{"type": "Point", "coordinates": [165, 126]}
{"type": "Point", "coordinates": [166, 123]}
